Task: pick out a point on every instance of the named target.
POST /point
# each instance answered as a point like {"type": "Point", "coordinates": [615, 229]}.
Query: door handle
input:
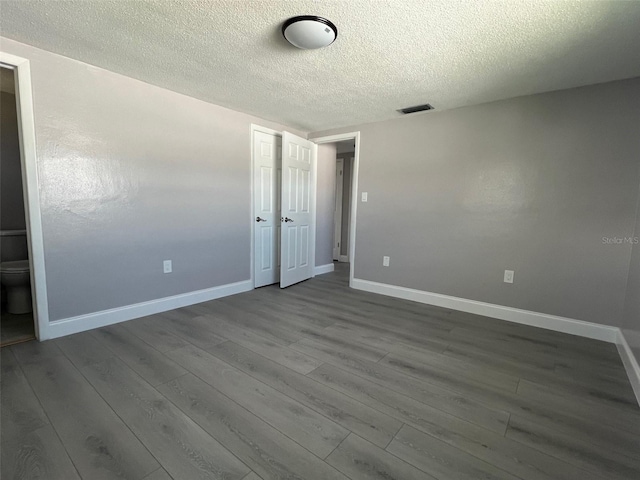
{"type": "Point", "coordinates": [258, 219]}
{"type": "Point", "coordinates": [287, 219]}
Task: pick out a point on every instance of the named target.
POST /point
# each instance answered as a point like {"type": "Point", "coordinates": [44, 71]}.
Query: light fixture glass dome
{"type": "Point", "coordinates": [309, 32]}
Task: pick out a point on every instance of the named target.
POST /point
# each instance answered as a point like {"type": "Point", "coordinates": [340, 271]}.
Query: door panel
{"type": "Point", "coordinates": [296, 210]}
{"type": "Point", "coordinates": [267, 164]}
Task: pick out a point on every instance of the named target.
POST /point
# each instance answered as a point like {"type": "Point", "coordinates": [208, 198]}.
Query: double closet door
{"type": "Point", "coordinates": [282, 205]}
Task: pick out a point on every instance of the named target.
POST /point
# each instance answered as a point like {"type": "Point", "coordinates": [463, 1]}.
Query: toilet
{"type": "Point", "coordinates": [14, 271]}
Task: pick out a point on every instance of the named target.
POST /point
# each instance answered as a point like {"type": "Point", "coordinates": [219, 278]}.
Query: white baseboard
{"type": "Point", "coordinates": [516, 315]}
{"type": "Point", "coordinates": [630, 363]}
{"type": "Point", "coordinates": [68, 326]}
{"type": "Point", "coordinates": [319, 270]}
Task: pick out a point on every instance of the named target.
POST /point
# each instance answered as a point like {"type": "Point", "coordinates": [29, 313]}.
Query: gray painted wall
{"type": "Point", "coordinates": [631, 327]}
{"type": "Point", "coordinates": [530, 184]}
{"type": "Point", "coordinates": [325, 201]}
{"type": "Point", "coordinates": [346, 200]}
{"type": "Point", "coordinates": [130, 175]}
{"type": "Point", "coordinates": [11, 199]}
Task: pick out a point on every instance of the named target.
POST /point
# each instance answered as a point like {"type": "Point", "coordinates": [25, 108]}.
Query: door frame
{"type": "Point", "coordinates": [337, 210]}
{"type": "Point", "coordinates": [354, 191]}
{"type": "Point", "coordinates": [269, 131]}
{"type": "Point", "coordinates": [28, 158]}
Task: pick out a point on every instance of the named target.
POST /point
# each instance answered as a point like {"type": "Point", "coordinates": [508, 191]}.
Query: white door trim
{"type": "Point", "coordinates": [28, 158]}
{"type": "Point", "coordinates": [354, 191]}
{"type": "Point", "coordinates": [337, 209]}
{"type": "Point", "coordinates": [314, 190]}
{"type": "Point", "coordinates": [252, 219]}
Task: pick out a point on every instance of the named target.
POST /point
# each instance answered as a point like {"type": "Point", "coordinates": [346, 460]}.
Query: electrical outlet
{"type": "Point", "coordinates": [166, 265]}
{"type": "Point", "coordinates": [364, 196]}
{"type": "Point", "coordinates": [508, 276]}
{"type": "Point", "coordinates": [385, 261]}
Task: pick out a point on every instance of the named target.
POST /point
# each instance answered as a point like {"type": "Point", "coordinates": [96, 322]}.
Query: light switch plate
{"type": "Point", "coordinates": [166, 265]}
{"type": "Point", "coordinates": [364, 196]}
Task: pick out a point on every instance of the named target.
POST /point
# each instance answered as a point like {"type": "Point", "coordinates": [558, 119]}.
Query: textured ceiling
{"type": "Point", "coordinates": [388, 55]}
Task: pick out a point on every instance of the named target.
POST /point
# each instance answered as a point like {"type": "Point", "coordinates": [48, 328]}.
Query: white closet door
{"type": "Point", "coordinates": [295, 244]}
{"type": "Point", "coordinates": [267, 153]}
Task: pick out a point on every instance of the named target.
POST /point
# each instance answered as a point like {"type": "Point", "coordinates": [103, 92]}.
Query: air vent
{"type": "Point", "coordinates": [417, 108]}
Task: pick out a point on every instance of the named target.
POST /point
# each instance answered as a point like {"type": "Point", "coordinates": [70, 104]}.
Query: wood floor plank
{"type": "Point", "coordinates": [515, 365]}
{"type": "Point", "coordinates": [370, 424]}
{"type": "Point", "coordinates": [98, 442]}
{"type": "Point", "coordinates": [441, 460]}
{"type": "Point", "coordinates": [389, 340]}
{"type": "Point", "coordinates": [343, 342]}
{"type": "Point", "coordinates": [385, 342]}
{"type": "Point", "coordinates": [355, 310]}
{"type": "Point", "coordinates": [279, 353]}
{"type": "Point", "coordinates": [260, 446]}
{"type": "Point", "coordinates": [182, 447]}
{"type": "Point", "coordinates": [36, 454]}
{"type": "Point", "coordinates": [588, 408]}
{"type": "Point", "coordinates": [181, 325]}
{"type": "Point", "coordinates": [247, 318]}
{"type": "Point", "coordinates": [149, 329]}
{"type": "Point", "coordinates": [573, 365]}
{"type": "Point", "coordinates": [35, 352]}
{"type": "Point", "coordinates": [541, 340]}
{"type": "Point", "coordinates": [283, 315]}
{"type": "Point", "coordinates": [83, 349]}
{"type": "Point", "coordinates": [145, 360]}
{"type": "Point", "coordinates": [160, 474]}
{"type": "Point", "coordinates": [328, 353]}
{"type": "Point", "coordinates": [584, 393]}
{"type": "Point", "coordinates": [427, 361]}
{"type": "Point", "coordinates": [605, 381]}
{"type": "Point", "coordinates": [20, 409]}
{"type": "Point", "coordinates": [447, 393]}
{"type": "Point", "coordinates": [310, 429]}
{"type": "Point", "coordinates": [513, 457]}
{"type": "Point", "coordinates": [360, 459]}
{"type": "Point", "coordinates": [575, 450]}
{"type": "Point", "coordinates": [252, 476]}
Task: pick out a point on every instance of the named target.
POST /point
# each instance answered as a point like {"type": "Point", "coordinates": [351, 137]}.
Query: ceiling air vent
{"type": "Point", "coordinates": [417, 108]}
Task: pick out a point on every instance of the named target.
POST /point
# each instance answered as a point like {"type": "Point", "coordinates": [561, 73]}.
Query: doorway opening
{"type": "Point", "coordinates": [16, 72]}
{"type": "Point", "coordinates": [299, 225]}
{"type": "Point", "coordinates": [341, 153]}
{"type": "Point", "coordinates": [345, 153]}
{"type": "Point", "coordinates": [16, 309]}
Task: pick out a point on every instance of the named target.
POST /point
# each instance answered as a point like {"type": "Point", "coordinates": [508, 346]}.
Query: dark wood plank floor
{"type": "Point", "coordinates": [317, 381]}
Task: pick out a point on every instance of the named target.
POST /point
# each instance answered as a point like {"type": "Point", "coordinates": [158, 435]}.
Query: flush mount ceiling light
{"type": "Point", "coordinates": [309, 32]}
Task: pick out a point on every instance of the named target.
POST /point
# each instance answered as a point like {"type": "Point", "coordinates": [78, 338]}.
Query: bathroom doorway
{"type": "Point", "coordinates": [345, 153]}
{"type": "Point", "coordinates": [17, 322]}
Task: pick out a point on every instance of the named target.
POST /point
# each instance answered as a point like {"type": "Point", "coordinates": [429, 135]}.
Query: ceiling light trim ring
{"type": "Point", "coordinates": [311, 18]}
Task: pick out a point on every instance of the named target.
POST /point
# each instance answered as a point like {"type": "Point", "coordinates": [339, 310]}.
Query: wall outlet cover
{"type": "Point", "coordinates": [167, 267]}
{"type": "Point", "coordinates": [385, 261]}
{"type": "Point", "coordinates": [508, 276]}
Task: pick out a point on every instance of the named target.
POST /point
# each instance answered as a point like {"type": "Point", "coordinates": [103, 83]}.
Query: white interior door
{"type": "Point", "coordinates": [267, 155]}
{"type": "Point", "coordinates": [295, 243]}
{"type": "Point", "coordinates": [337, 211]}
